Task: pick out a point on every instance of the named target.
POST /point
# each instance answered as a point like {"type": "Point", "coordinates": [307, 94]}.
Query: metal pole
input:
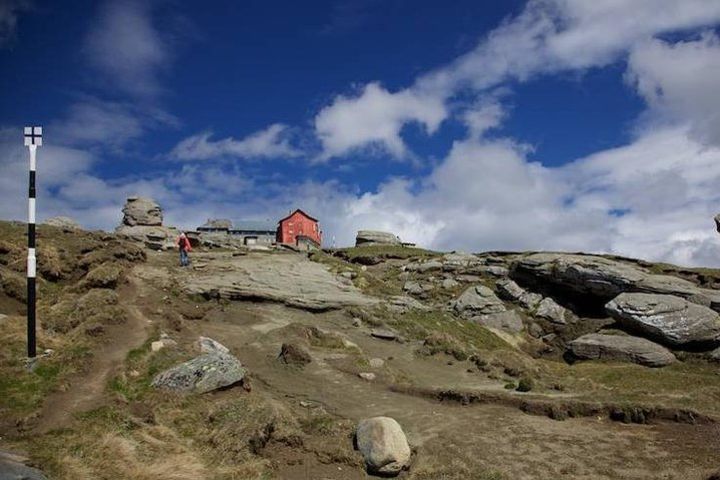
{"type": "Point", "coordinates": [31, 261]}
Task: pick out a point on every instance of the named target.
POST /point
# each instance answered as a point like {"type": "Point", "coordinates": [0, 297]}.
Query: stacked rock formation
{"type": "Point", "coordinates": [372, 237]}
{"type": "Point", "coordinates": [142, 222]}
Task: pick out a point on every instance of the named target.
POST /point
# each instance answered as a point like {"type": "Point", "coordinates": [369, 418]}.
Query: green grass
{"type": "Point", "coordinates": [385, 251]}
{"type": "Point", "coordinates": [467, 337]}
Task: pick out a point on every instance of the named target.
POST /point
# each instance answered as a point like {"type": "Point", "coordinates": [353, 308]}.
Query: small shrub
{"type": "Point", "coordinates": [525, 385]}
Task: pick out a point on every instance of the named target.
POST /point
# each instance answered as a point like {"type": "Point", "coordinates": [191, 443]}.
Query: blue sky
{"type": "Point", "coordinates": [541, 124]}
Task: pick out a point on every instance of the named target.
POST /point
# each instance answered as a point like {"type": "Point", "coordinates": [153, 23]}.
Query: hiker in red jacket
{"type": "Point", "coordinates": [183, 244]}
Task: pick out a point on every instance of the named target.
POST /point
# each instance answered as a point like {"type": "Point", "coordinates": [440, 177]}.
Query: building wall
{"type": "Point", "coordinates": [298, 224]}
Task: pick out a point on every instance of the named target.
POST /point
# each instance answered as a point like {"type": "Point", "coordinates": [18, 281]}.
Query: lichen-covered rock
{"type": "Point", "coordinates": [666, 318]}
{"type": "Point", "coordinates": [142, 211]}
{"type": "Point", "coordinates": [477, 300]}
{"type": "Point", "coordinates": [154, 238]}
{"type": "Point", "coordinates": [208, 345]}
{"type": "Point", "coordinates": [65, 223]}
{"type": "Point", "coordinates": [509, 290]}
{"type": "Point", "coordinates": [550, 310]}
{"type": "Point", "coordinates": [106, 275]}
{"type": "Point", "coordinates": [202, 374]}
{"type": "Point", "coordinates": [374, 237]}
{"type": "Point", "coordinates": [383, 445]}
{"type": "Point", "coordinates": [595, 346]}
{"type": "Point", "coordinates": [509, 321]}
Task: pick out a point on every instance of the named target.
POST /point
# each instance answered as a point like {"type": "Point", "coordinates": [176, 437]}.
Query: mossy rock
{"type": "Point", "coordinates": [106, 275]}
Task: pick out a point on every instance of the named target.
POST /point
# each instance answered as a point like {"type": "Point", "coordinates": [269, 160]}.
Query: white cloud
{"type": "Point", "coordinates": [127, 48]}
{"type": "Point", "coordinates": [547, 36]}
{"type": "Point", "coordinates": [110, 125]}
{"type": "Point", "coordinates": [272, 142]}
{"type": "Point", "coordinates": [376, 116]}
{"type": "Point", "coordinates": [9, 12]}
{"type": "Point", "coordinates": [680, 82]}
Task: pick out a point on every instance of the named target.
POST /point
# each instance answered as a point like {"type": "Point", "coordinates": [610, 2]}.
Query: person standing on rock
{"type": "Point", "coordinates": [183, 244]}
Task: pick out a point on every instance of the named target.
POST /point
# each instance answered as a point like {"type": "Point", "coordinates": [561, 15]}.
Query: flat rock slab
{"type": "Point", "coordinates": [666, 318]}
{"type": "Point", "coordinates": [286, 278]}
{"type": "Point", "coordinates": [383, 334]}
{"type": "Point", "coordinates": [383, 445]}
{"type": "Point", "coordinates": [202, 374]}
{"type": "Point", "coordinates": [595, 346]}
{"type": "Point", "coordinates": [508, 321]}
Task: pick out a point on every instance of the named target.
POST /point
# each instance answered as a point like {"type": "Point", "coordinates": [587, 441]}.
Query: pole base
{"type": "Point", "coordinates": [31, 363]}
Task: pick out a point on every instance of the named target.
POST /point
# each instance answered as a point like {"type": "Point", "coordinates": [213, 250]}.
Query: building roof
{"type": "Point", "coordinates": [296, 211]}
{"type": "Point", "coordinates": [253, 226]}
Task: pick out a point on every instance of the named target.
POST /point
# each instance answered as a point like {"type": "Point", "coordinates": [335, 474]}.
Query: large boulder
{"type": "Point", "coordinates": [202, 374]}
{"type": "Point", "coordinates": [383, 445]}
{"type": "Point", "coordinates": [373, 237]}
{"type": "Point", "coordinates": [477, 300]}
{"type": "Point", "coordinates": [551, 311]}
{"type": "Point", "coordinates": [666, 318]}
{"type": "Point", "coordinates": [142, 211]}
{"type": "Point", "coordinates": [66, 223]}
{"type": "Point", "coordinates": [604, 278]}
{"type": "Point", "coordinates": [154, 238]}
{"type": "Point", "coordinates": [595, 346]}
{"type": "Point", "coordinates": [508, 321]}
{"type": "Point", "coordinates": [509, 290]}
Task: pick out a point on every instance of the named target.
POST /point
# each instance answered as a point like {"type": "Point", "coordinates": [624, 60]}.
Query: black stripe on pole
{"type": "Point", "coordinates": [31, 317]}
{"type": "Point", "coordinates": [31, 193]}
{"type": "Point", "coordinates": [31, 235]}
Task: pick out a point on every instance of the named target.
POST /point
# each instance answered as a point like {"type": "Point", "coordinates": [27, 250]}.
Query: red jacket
{"type": "Point", "coordinates": [183, 243]}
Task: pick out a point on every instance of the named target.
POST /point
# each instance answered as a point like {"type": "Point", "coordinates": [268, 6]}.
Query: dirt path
{"type": "Point", "coordinates": [87, 390]}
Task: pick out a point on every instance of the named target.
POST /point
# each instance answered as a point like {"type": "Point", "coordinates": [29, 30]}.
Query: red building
{"type": "Point", "coordinates": [299, 229]}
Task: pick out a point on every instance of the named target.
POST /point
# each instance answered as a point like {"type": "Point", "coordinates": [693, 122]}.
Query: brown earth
{"type": "Point", "coordinates": [103, 421]}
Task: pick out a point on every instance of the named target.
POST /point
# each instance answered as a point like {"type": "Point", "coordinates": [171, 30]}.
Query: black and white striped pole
{"type": "Point", "coordinates": [33, 139]}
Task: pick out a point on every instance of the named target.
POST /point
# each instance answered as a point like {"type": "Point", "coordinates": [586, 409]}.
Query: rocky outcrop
{"type": "Point", "coordinates": [383, 445]}
{"type": "Point", "coordinates": [141, 211]}
{"type": "Point", "coordinates": [508, 321]}
{"type": "Point", "coordinates": [604, 278]}
{"type": "Point", "coordinates": [373, 237]}
{"type": "Point", "coordinates": [595, 346]}
{"type": "Point", "coordinates": [477, 300]}
{"type": "Point", "coordinates": [666, 318]}
{"type": "Point", "coordinates": [142, 222]}
{"type": "Point", "coordinates": [202, 374]}
{"type": "Point", "coordinates": [551, 311]}
{"type": "Point", "coordinates": [65, 223]}
{"type": "Point", "coordinates": [292, 280]}
{"type": "Point", "coordinates": [511, 291]}
{"type": "Point", "coordinates": [459, 260]}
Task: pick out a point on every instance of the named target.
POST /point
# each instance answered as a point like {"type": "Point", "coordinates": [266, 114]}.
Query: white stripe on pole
{"type": "Point", "coordinates": [33, 151]}
{"type": "Point", "coordinates": [31, 210]}
{"type": "Point", "coordinates": [31, 263]}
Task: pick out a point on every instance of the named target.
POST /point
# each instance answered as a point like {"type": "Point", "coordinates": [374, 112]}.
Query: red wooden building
{"type": "Point", "coordinates": [299, 229]}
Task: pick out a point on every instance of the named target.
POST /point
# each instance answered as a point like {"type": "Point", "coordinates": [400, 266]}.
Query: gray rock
{"type": "Point", "coordinates": [12, 467]}
{"type": "Point", "coordinates": [413, 288]}
{"type": "Point", "coordinates": [404, 303]}
{"type": "Point", "coordinates": [142, 211]}
{"type": "Point", "coordinates": [374, 237]}
{"type": "Point", "coordinates": [449, 283]}
{"type": "Point", "coordinates": [66, 223]}
{"type": "Point", "coordinates": [384, 334]}
{"type": "Point", "coordinates": [383, 445]}
{"type": "Point", "coordinates": [293, 280]}
{"type": "Point", "coordinates": [368, 376]}
{"type": "Point", "coordinates": [509, 321]}
{"type": "Point", "coordinates": [595, 346]}
{"type": "Point", "coordinates": [606, 278]}
{"type": "Point", "coordinates": [715, 355]}
{"type": "Point", "coordinates": [202, 374]}
{"type": "Point", "coordinates": [666, 318]}
{"type": "Point", "coordinates": [424, 267]}
{"type": "Point", "coordinates": [509, 290]}
{"type": "Point", "coordinates": [494, 270]}
{"type": "Point", "coordinates": [459, 260]}
{"type": "Point", "coordinates": [208, 345]}
{"type": "Point", "coordinates": [477, 300]}
{"type": "Point", "coordinates": [292, 354]}
{"type": "Point", "coordinates": [550, 310]}
{"type": "Point", "coordinates": [154, 238]}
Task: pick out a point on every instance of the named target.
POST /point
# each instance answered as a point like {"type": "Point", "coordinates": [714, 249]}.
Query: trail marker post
{"type": "Point", "coordinates": [33, 139]}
